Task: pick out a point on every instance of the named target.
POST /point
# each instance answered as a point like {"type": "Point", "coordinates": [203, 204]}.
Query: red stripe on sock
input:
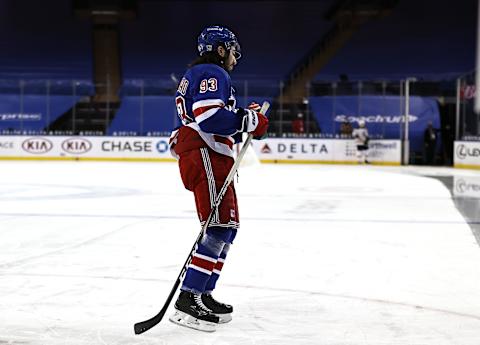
{"type": "Point", "coordinates": [219, 265]}
{"type": "Point", "coordinates": [205, 264]}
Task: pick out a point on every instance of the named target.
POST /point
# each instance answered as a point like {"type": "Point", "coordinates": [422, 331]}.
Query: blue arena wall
{"type": "Point", "coordinates": [32, 113]}
{"type": "Point", "coordinates": [144, 115]}
{"type": "Point", "coordinates": [383, 115]}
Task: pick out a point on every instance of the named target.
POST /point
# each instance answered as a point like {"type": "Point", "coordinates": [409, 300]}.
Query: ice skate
{"type": "Point", "coordinates": [192, 313]}
{"type": "Point", "coordinates": [222, 310]}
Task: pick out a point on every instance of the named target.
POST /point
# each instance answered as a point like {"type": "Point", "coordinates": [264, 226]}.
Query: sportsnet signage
{"type": "Point", "coordinates": [88, 148]}
{"type": "Point", "coordinates": [325, 150]}
{"type": "Point", "coordinates": [467, 154]}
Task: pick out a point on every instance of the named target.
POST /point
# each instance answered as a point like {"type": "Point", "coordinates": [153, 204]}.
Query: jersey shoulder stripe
{"type": "Point", "coordinates": [204, 109]}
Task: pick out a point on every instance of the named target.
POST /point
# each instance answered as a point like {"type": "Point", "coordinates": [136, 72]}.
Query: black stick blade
{"type": "Point", "coordinates": [144, 326]}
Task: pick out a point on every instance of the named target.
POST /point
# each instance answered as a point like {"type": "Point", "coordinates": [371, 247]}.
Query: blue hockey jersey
{"type": "Point", "coordinates": [205, 102]}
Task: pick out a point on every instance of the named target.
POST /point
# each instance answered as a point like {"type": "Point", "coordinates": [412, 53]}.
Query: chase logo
{"type": "Point", "coordinates": [37, 145]}
{"type": "Point", "coordinates": [76, 145]}
{"type": "Point", "coordinates": [162, 146]}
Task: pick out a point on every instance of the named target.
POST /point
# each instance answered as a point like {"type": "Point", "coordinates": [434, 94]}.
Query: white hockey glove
{"type": "Point", "coordinates": [253, 122]}
{"type": "Point", "coordinates": [249, 120]}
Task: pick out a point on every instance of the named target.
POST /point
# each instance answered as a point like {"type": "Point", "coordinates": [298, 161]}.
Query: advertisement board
{"type": "Point", "coordinates": [279, 150]}
{"type": "Point", "coordinates": [85, 148]}
{"type": "Point", "coordinates": [467, 154]}
{"type": "Point", "coordinates": [383, 115]}
{"type": "Point", "coordinates": [292, 150]}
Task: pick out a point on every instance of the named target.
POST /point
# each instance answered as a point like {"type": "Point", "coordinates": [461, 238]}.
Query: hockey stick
{"type": "Point", "coordinates": [144, 326]}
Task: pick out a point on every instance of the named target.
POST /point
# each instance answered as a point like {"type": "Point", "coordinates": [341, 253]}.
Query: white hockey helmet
{"type": "Point", "coordinates": [361, 123]}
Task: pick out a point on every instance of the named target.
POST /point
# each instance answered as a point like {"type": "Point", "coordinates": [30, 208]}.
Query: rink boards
{"type": "Point", "coordinates": [272, 150]}
{"type": "Point", "coordinates": [85, 148]}
{"type": "Point", "coordinates": [466, 154]}
{"type": "Point", "coordinates": [329, 151]}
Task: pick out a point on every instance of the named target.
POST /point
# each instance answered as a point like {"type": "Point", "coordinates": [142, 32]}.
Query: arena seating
{"type": "Point", "coordinates": [36, 113]}
{"type": "Point", "coordinates": [145, 115]}
{"type": "Point", "coordinates": [52, 44]}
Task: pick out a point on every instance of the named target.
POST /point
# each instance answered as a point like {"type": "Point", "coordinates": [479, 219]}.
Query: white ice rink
{"type": "Point", "coordinates": [326, 255]}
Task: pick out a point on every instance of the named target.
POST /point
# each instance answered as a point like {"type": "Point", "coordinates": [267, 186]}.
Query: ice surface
{"type": "Point", "coordinates": [326, 255]}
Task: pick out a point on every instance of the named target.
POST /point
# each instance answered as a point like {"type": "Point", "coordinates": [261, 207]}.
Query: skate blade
{"type": "Point", "coordinates": [224, 318]}
{"type": "Point", "coordinates": [185, 320]}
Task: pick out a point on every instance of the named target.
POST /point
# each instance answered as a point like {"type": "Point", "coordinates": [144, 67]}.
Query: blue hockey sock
{"type": "Point", "coordinates": [203, 262]}
{"type": "Point", "coordinates": [217, 269]}
{"type": "Point", "coordinates": [219, 265]}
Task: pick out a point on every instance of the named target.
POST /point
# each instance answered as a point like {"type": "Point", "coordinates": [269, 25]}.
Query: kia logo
{"type": "Point", "coordinates": [37, 145]}
{"type": "Point", "coordinates": [76, 145]}
{"type": "Point", "coordinates": [463, 152]}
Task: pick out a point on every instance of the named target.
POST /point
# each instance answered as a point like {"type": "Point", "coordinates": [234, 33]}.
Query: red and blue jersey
{"type": "Point", "coordinates": [205, 101]}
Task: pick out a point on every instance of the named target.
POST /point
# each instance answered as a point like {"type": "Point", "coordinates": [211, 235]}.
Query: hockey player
{"type": "Point", "coordinates": [361, 140]}
{"type": "Point", "coordinates": [211, 122]}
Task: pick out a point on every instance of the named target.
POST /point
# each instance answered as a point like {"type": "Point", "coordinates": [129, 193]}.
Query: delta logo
{"type": "Point", "coordinates": [266, 149]}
